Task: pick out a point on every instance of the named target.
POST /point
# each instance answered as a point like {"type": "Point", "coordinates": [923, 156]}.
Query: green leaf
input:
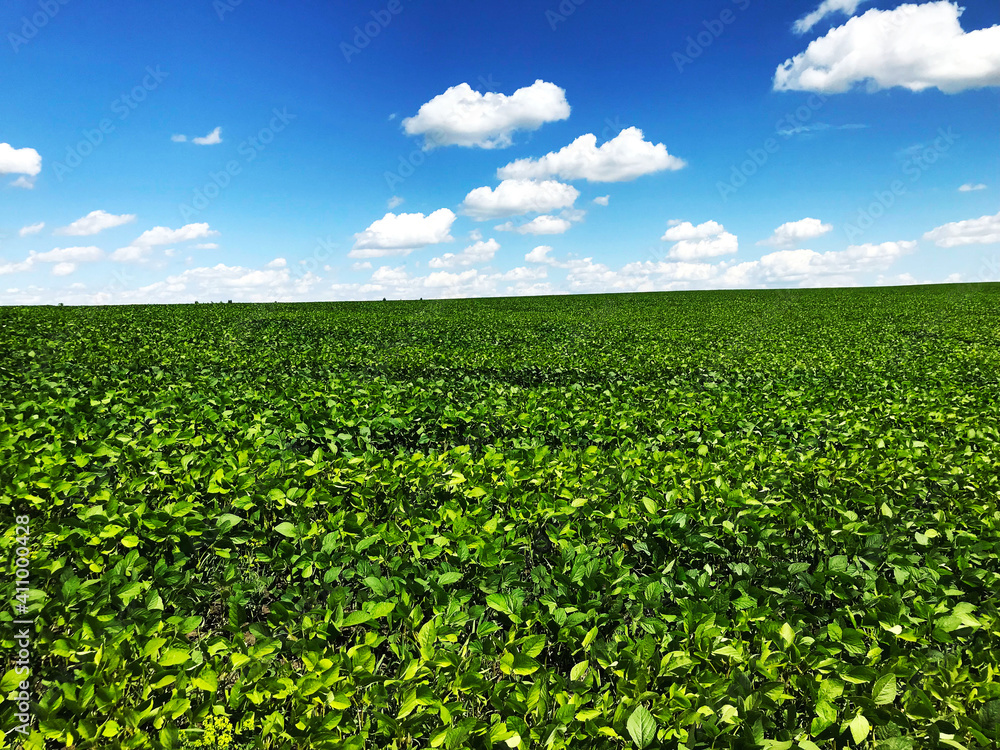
{"type": "Point", "coordinates": [884, 690]}
{"type": "Point", "coordinates": [426, 637]}
{"type": "Point", "coordinates": [129, 591]}
{"type": "Point", "coordinates": [12, 681]}
{"type": "Point", "coordinates": [641, 727]}
{"type": "Point", "coordinates": [787, 635]}
{"type": "Point", "coordinates": [382, 609]}
{"type": "Point", "coordinates": [499, 603]}
{"type": "Point", "coordinates": [206, 680]}
{"type": "Point", "coordinates": [173, 656]}
{"type": "Point", "coordinates": [286, 529]}
{"type": "Point", "coordinates": [532, 645]}
{"type": "Point", "coordinates": [358, 617]}
{"type": "Point", "coordinates": [860, 728]}
{"type": "Point", "coordinates": [579, 670]}
{"type": "Point", "coordinates": [227, 521]}
{"type": "Point", "coordinates": [449, 578]}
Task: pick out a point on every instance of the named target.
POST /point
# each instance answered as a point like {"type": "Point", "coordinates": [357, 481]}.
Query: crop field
{"type": "Point", "coordinates": [756, 519]}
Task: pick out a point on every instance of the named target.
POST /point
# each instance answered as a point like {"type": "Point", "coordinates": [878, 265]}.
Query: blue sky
{"type": "Point", "coordinates": [307, 150]}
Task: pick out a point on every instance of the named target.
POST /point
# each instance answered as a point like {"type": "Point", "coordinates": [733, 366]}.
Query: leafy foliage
{"type": "Point", "coordinates": [705, 520]}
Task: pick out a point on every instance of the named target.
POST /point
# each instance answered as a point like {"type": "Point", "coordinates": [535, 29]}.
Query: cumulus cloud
{"type": "Point", "coordinates": [625, 157]}
{"type": "Point", "coordinates": [401, 234]}
{"type": "Point", "coordinates": [685, 230]}
{"type": "Point", "coordinates": [982, 231]}
{"type": "Point", "coordinates": [23, 161]}
{"type": "Point", "coordinates": [205, 140]}
{"type": "Point", "coordinates": [209, 140]}
{"type": "Point", "coordinates": [31, 229]}
{"type": "Point", "coordinates": [475, 254]}
{"type": "Point", "coordinates": [602, 200]}
{"type": "Point", "coordinates": [94, 222]}
{"type": "Point", "coordinates": [540, 255]}
{"type": "Point", "coordinates": [141, 246]}
{"type": "Point", "coordinates": [913, 46]}
{"type": "Point", "coordinates": [207, 246]}
{"type": "Point", "coordinates": [707, 240]}
{"type": "Point", "coordinates": [277, 263]}
{"type": "Point", "coordinates": [461, 116]}
{"type": "Point", "coordinates": [63, 269]}
{"type": "Point", "coordinates": [543, 224]}
{"type": "Point", "coordinates": [18, 267]}
{"type": "Point", "coordinates": [166, 236]}
{"type": "Point", "coordinates": [394, 201]}
{"type": "Point", "coordinates": [826, 8]}
{"type": "Point", "coordinates": [969, 187]}
{"type": "Point", "coordinates": [809, 268]}
{"type": "Point", "coordinates": [69, 254]}
{"type": "Point", "coordinates": [794, 232]}
{"type": "Point", "coordinates": [516, 197]}
{"type": "Point", "coordinates": [28, 183]}
{"type": "Point", "coordinates": [131, 254]}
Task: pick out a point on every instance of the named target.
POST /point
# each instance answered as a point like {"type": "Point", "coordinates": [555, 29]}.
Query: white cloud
{"type": "Point", "coordinates": [24, 265]}
{"type": "Point", "coordinates": [395, 201]}
{"type": "Point", "coordinates": [982, 231]}
{"type": "Point", "coordinates": [209, 140]}
{"type": "Point", "coordinates": [794, 232]}
{"type": "Point", "coordinates": [179, 138]}
{"type": "Point", "coordinates": [913, 46]}
{"type": "Point", "coordinates": [602, 200]}
{"type": "Point", "coordinates": [24, 161]}
{"type": "Point", "coordinates": [516, 197]}
{"type": "Point", "coordinates": [685, 230]}
{"type": "Point", "coordinates": [166, 236]}
{"type": "Point", "coordinates": [277, 263]}
{"type": "Point", "coordinates": [207, 246]}
{"type": "Point", "coordinates": [28, 183]}
{"type": "Point", "coordinates": [625, 157]}
{"type": "Point", "coordinates": [361, 265]}
{"type": "Point", "coordinates": [31, 229]}
{"type": "Point", "coordinates": [131, 254]}
{"type": "Point", "coordinates": [479, 252]}
{"type": "Point", "coordinates": [462, 116]}
{"type": "Point", "coordinates": [540, 255]}
{"type": "Point", "coordinates": [725, 243]}
{"type": "Point", "coordinates": [826, 8]}
{"type": "Point", "coordinates": [87, 254]}
{"type": "Point", "coordinates": [63, 269]}
{"type": "Point", "coordinates": [809, 268]}
{"type": "Point", "coordinates": [707, 240]}
{"type": "Point", "coordinates": [543, 224]}
{"type": "Point", "coordinates": [969, 187]}
{"type": "Point", "coordinates": [94, 222]}
{"type": "Point", "coordinates": [401, 234]}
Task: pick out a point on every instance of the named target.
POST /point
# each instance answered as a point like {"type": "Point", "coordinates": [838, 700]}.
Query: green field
{"type": "Point", "coordinates": [755, 519]}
